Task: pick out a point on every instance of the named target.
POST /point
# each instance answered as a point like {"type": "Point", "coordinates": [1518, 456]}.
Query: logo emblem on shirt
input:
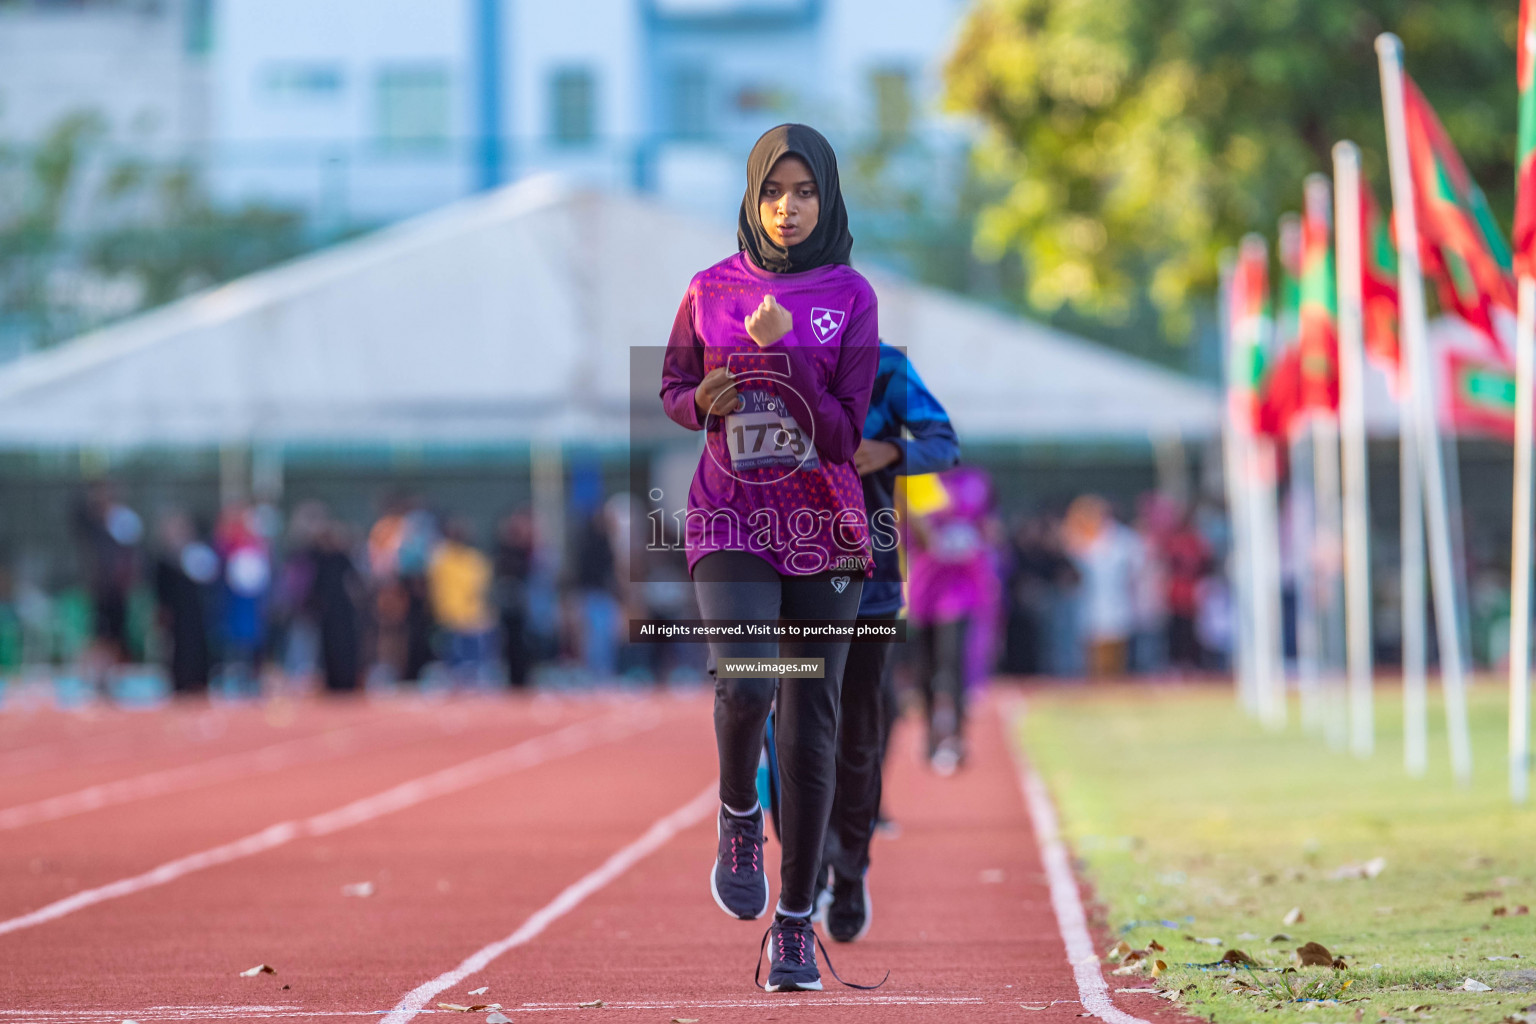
{"type": "Point", "coordinates": [826, 323]}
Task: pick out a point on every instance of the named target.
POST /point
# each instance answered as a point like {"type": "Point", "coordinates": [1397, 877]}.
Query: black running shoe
{"type": "Point", "coordinates": [792, 956]}
{"type": "Point", "coordinates": [738, 882]}
{"type": "Point", "coordinates": [849, 912]}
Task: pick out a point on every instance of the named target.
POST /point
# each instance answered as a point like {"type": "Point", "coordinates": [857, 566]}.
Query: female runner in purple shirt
{"type": "Point", "coordinates": [774, 354]}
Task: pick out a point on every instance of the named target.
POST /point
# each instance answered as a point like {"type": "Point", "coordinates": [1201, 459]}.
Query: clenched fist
{"type": "Point", "coordinates": [716, 393]}
{"type": "Point", "coordinates": [769, 322]}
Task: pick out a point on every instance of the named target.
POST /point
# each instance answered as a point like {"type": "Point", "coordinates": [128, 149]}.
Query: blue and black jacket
{"type": "Point", "coordinates": [900, 405]}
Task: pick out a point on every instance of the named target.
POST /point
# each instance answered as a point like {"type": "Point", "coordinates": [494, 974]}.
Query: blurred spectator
{"type": "Point", "coordinates": [668, 598]}
{"type": "Point", "coordinates": [247, 582]}
{"type": "Point", "coordinates": [184, 569]}
{"type": "Point", "coordinates": [595, 584]}
{"type": "Point", "coordinates": [391, 602]}
{"type": "Point", "coordinates": [417, 543]}
{"type": "Point", "coordinates": [459, 583]}
{"type": "Point", "coordinates": [334, 595]}
{"type": "Point", "coordinates": [1187, 561]}
{"type": "Point", "coordinates": [1156, 516]}
{"type": "Point", "coordinates": [296, 633]}
{"type": "Point", "coordinates": [1107, 554]}
{"type": "Point", "coordinates": [109, 533]}
{"type": "Point", "coordinates": [512, 565]}
{"type": "Point", "coordinates": [1041, 585]}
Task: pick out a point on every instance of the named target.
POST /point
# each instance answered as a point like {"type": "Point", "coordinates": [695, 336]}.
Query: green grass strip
{"type": "Point", "coordinates": [1191, 822]}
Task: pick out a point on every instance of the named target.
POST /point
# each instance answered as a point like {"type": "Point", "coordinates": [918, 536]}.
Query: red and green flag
{"type": "Point", "coordinates": [1281, 397]}
{"type": "Point", "coordinates": [1480, 395]}
{"type": "Point", "coordinates": [1317, 331]}
{"type": "Point", "coordinates": [1249, 325]}
{"type": "Point", "coordinates": [1463, 249]}
{"type": "Point", "coordinates": [1525, 173]}
{"type": "Point", "coordinates": [1378, 287]}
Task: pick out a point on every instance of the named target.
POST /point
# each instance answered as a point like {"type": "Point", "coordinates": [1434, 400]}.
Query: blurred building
{"type": "Point", "coordinates": [140, 65]}
{"type": "Point", "coordinates": [368, 110]}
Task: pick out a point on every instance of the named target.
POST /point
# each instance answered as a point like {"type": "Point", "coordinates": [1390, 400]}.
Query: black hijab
{"type": "Point", "coordinates": [829, 241]}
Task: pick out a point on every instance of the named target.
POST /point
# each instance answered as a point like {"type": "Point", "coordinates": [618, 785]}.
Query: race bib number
{"type": "Point", "coordinates": [763, 434]}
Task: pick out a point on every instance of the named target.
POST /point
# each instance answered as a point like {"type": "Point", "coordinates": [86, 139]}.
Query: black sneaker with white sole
{"type": "Point", "coordinates": [791, 947]}
{"type": "Point", "coordinates": [791, 956]}
{"type": "Point", "coordinates": [848, 911]}
{"type": "Point", "coordinates": [738, 881]}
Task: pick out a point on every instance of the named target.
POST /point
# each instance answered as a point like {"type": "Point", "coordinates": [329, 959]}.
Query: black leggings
{"type": "Point", "coordinates": [737, 585]}
{"type": "Point", "coordinates": [867, 713]}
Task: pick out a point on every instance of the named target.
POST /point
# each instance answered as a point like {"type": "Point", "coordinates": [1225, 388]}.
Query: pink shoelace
{"type": "Point", "coordinates": [748, 852]}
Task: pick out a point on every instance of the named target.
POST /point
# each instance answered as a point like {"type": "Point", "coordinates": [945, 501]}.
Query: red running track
{"type": "Point", "coordinates": [565, 840]}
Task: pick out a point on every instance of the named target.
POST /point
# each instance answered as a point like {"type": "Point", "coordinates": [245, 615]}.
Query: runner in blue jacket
{"type": "Point", "coordinates": [906, 433]}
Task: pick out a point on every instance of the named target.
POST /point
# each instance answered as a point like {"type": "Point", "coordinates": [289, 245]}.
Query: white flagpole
{"type": "Point", "coordinates": [1357, 519]}
{"type": "Point", "coordinates": [1270, 678]}
{"type": "Point", "coordinates": [1520, 550]}
{"type": "Point", "coordinates": [1416, 347]}
{"type": "Point", "coordinates": [1301, 499]}
{"type": "Point", "coordinates": [1236, 465]}
{"type": "Point", "coordinates": [1327, 529]}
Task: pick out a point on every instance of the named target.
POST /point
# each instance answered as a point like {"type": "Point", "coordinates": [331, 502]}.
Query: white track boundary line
{"type": "Point", "coordinates": [269, 1012]}
{"type": "Point", "coordinates": [655, 837]}
{"type": "Point", "coordinates": [527, 754]}
{"type": "Point", "coordinates": [1065, 897]}
{"type": "Point", "coordinates": [229, 767]}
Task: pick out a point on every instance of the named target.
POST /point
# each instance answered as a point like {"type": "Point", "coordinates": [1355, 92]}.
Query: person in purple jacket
{"type": "Point", "coordinates": [773, 355]}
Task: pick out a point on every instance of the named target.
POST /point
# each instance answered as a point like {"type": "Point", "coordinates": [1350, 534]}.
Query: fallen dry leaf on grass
{"type": "Point", "coordinates": [1481, 894]}
{"type": "Point", "coordinates": [1473, 985]}
{"type": "Point", "coordinates": [1158, 967]}
{"type": "Point", "coordinates": [1135, 956]}
{"type": "Point", "coordinates": [1118, 950]}
{"type": "Point", "coordinates": [1237, 956]}
{"type": "Point", "coordinates": [1314, 954]}
{"type": "Point", "coordinates": [258, 969]}
{"type": "Point", "coordinates": [1521, 911]}
{"type": "Point", "coordinates": [1293, 916]}
{"type": "Point", "coordinates": [1204, 942]}
{"type": "Point", "coordinates": [1156, 947]}
{"type": "Point", "coordinates": [1127, 969]}
{"type": "Point", "coordinates": [1280, 937]}
{"type": "Point", "coordinates": [593, 1005]}
{"type": "Point", "coordinates": [1499, 912]}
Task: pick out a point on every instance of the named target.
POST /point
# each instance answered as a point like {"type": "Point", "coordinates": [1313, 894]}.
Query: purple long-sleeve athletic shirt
{"type": "Point", "coordinates": [776, 476]}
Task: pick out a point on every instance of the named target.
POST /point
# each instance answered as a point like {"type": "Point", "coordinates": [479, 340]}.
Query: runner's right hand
{"type": "Point", "coordinates": [716, 393]}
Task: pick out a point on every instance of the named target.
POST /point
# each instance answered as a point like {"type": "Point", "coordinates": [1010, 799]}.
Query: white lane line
{"type": "Point", "coordinates": [222, 1012]}
{"type": "Point", "coordinates": [655, 837]}
{"type": "Point", "coordinates": [520, 756]}
{"type": "Point", "coordinates": [190, 776]}
{"type": "Point", "coordinates": [1065, 898]}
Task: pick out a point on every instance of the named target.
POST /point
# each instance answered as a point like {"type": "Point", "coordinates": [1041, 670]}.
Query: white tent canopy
{"type": "Point", "coordinates": [510, 317]}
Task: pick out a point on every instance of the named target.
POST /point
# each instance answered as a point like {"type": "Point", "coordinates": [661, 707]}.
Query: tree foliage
{"type": "Point", "coordinates": [88, 234]}
{"type": "Point", "coordinates": [1138, 139]}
